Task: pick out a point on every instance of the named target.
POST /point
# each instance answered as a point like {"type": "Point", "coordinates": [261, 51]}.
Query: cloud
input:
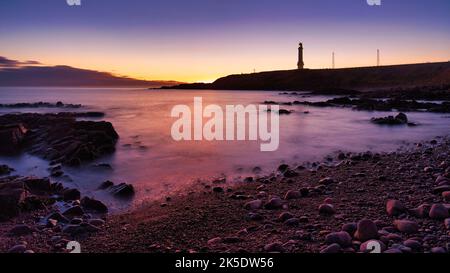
{"type": "Point", "coordinates": [8, 63]}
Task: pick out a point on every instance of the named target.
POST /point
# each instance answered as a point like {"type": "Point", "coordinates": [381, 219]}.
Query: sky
{"type": "Point", "coordinates": [201, 40]}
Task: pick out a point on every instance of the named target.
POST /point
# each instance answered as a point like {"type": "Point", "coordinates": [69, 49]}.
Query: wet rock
{"type": "Point", "coordinates": [122, 190]}
{"type": "Point", "coordinates": [395, 208]}
{"type": "Point", "coordinates": [406, 226]}
{"type": "Point", "coordinates": [326, 209]}
{"type": "Point", "coordinates": [341, 238]}
{"type": "Point", "coordinates": [274, 203]}
{"type": "Point", "coordinates": [11, 137]}
{"type": "Point", "coordinates": [105, 185]}
{"type": "Point", "coordinates": [91, 204]}
{"type": "Point", "coordinates": [218, 190]}
{"type": "Point", "coordinates": [399, 119]}
{"type": "Point", "coordinates": [274, 247]}
{"type": "Point", "coordinates": [5, 170]}
{"type": "Point", "coordinates": [73, 211]}
{"type": "Point", "coordinates": [366, 230]}
{"type": "Point", "coordinates": [292, 194]}
{"type": "Point", "coordinates": [96, 222]}
{"type": "Point", "coordinates": [21, 230]}
{"type": "Point", "coordinates": [11, 196]}
{"type": "Point", "coordinates": [331, 249]}
{"type": "Point", "coordinates": [438, 211]}
{"type": "Point", "coordinates": [71, 194]}
{"type": "Point", "coordinates": [254, 205]}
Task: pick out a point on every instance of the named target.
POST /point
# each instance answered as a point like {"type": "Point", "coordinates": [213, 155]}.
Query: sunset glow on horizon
{"type": "Point", "coordinates": [202, 40]}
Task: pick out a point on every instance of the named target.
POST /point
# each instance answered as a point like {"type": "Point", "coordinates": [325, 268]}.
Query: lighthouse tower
{"type": "Point", "coordinates": [300, 63]}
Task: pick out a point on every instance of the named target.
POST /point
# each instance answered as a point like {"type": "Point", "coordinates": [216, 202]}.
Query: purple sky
{"type": "Point", "coordinates": [200, 40]}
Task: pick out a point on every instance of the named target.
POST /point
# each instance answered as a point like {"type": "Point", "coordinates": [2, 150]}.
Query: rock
{"type": "Point", "coordinates": [274, 203]}
{"type": "Point", "coordinates": [446, 196]}
{"type": "Point", "coordinates": [71, 194]}
{"type": "Point", "coordinates": [421, 211]}
{"type": "Point", "coordinates": [11, 138]}
{"type": "Point", "coordinates": [350, 228]}
{"type": "Point", "coordinates": [441, 189]}
{"type": "Point", "coordinates": [21, 230]}
{"type": "Point", "coordinates": [122, 190]}
{"type": "Point", "coordinates": [18, 249]}
{"type": "Point", "coordinates": [400, 119]}
{"type": "Point", "coordinates": [58, 217]}
{"type": "Point", "coordinates": [292, 194]}
{"type": "Point", "coordinates": [214, 241]}
{"type": "Point", "coordinates": [393, 251]}
{"type": "Point", "coordinates": [285, 216]}
{"type": "Point", "coordinates": [331, 249]}
{"type": "Point", "coordinates": [105, 185]}
{"type": "Point", "coordinates": [341, 238]}
{"type": "Point", "coordinates": [283, 167]}
{"type": "Point", "coordinates": [73, 211]}
{"type": "Point", "coordinates": [413, 244]}
{"type": "Point", "coordinates": [292, 222]}
{"type": "Point", "coordinates": [326, 181]}
{"type": "Point", "coordinates": [406, 226]}
{"type": "Point", "coordinates": [364, 246]}
{"type": "Point", "coordinates": [395, 208]}
{"type": "Point", "coordinates": [248, 179]}
{"type": "Point", "coordinates": [438, 211]}
{"type": "Point", "coordinates": [12, 194]}
{"type": "Point", "coordinates": [76, 221]}
{"type": "Point", "coordinates": [96, 222]}
{"type": "Point", "coordinates": [253, 205]}
{"type": "Point", "coordinates": [274, 247]}
{"type": "Point", "coordinates": [438, 250]}
{"type": "Point", "coordinates": [72, 229]}
{"type": "Point", "coordinates": [218, 190]}
{"type": "Point", "coordinates": [5, 170]}
{"type": "Point", "coordinates": [326, 209]}
{"type": "Point", "coordinates": [366, 230]}
{"type": "Point", "coordinates": [447, 223]}
{"type": "Point", "coordinates": [92, 204]}
{"type": "Point", "coordinates": [290, 174]}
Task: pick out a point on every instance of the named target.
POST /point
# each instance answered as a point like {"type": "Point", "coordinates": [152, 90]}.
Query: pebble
{"type": "Point", "coordinates": [395, 208]}
{"type": "Point", "coordinates": [285, 216]}
{"type": "Point", "coordinates": [331, 249]}
{"type": "Point", "coordinates": [274, 247]}
{"type": "Point", "coordinates": [292, 194]}
{"type": "Point", "coordinates": [366, 230]}
{"type": "Point", "coordinates": [447, 223]}
{"type": "Point", "coordinates": [446, 196]}
{"type": "Point", "coordinates": [274, 203]}
{"type": "Point", "coordinates": [292, 222]}
{"type": "Point", "coordinates": [421, 211]}
{"type": "Point", "coordinates": [253, 205]}
{"type": "Point", "coordinates": [18, 249]}
{"type": "Point", "coordinates": [406, 226]}
{"type": "Point", "coordinates": [438, 250]}
{"type": "Point", "coordinates": [413, 244]}
{"type": "Point", "coordinates": [326, 209]}
{"type": "Point", "coordinates": [350, 228]}
{"type": "Point", "coordinates": [341, 238]}
{"type": "Point", "coordinates": [438, 211]}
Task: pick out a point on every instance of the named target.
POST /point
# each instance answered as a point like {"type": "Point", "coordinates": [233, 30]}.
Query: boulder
{"type": "Point", "coordinates": [395, 208]}
{"type": "Point", "coordinates": [91, 204]}
{"type": "Point", "coordinates": [366, 230]}
{"type": "Point", "coordinates": [438, 211]}
{"type": "Point", "coordinates": [406, 226]}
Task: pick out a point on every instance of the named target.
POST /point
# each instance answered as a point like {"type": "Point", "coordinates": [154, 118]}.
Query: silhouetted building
{"type": "Point", "coordinates": [300, 63]}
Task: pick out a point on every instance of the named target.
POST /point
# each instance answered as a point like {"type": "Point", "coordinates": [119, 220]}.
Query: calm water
{"type": "Point", "coordinates": [156, 165]}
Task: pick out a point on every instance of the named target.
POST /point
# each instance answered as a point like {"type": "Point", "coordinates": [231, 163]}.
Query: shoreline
{"type": "Point", "coordinates": [218, 219]}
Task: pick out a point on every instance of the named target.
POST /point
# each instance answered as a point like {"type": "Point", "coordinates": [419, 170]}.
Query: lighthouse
{"type": "Point", "coordinates": [300, 63]}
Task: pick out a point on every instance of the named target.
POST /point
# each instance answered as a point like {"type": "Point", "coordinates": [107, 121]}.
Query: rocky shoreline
{"type": "Point", "coordinates": [399, 199]}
